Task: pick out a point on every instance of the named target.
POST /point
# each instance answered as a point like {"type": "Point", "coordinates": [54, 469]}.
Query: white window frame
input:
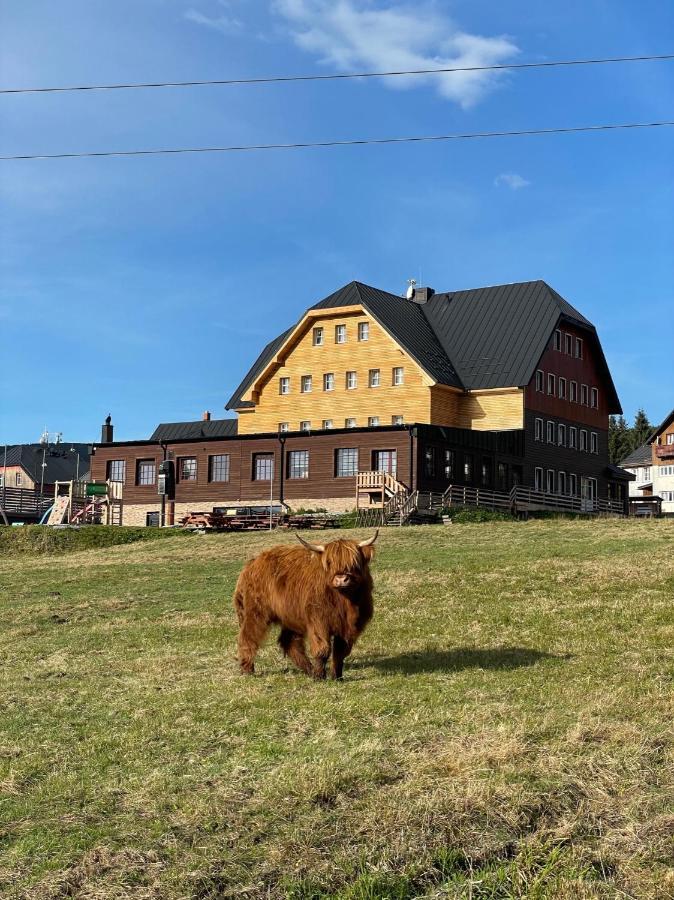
{"type": "Point", "coordinates": [594, 398]}
{"type": "Point", "coordinates": [594, 442]}
{"type": "Point", "coordinates": [329, 381]}
{"type": "Point", "coordinates": [582, 442]}
{"type": "Point", "coordinates": [350, 422]}
{"type": "Point", "coordinates": [584, 395]}
{"type": "Point", "coordinates": [305, 425]}
{"type": "Point", "coordinates": [561, 482]}
{"type": "Point", "coordinates": [318, 337]}
{"type": "Point", "coordinates": [283, 426]}
{"type": "Point", "coordinates": [573, 437]}
{"type": "Point", "coordinates": [538, 429]}
{"type": "Point", "coordinates": [374, 378]}
{"type": "Point", "coordinates": [550, 480]}
{"type": "Point", "coordinates": [328, 424]}
{"type": "Point", "coordinates": [557, 340]}
{"type": "Point", "coordinates": [373, 421]}
{"type": "Point", "coordinates": [551, 384]}
{"type": "Point", "coordinates": [561, 387]}
{"type": "Point", "coordinates": [398, 376]}
{"type": "Point", "coordinates": [573, 392]}
{"type": "Point", "coordinates": [340, 334]}
{"type": "Point", "coordinates": [363, 331]}
{"type": "Point", "coordinates": [397, 420]}
{"type": "Point", "coordinates": [283, 384]}
{"type": "Point", "coordinates": [573, 484]}
{"type": "Point", "coordinates": [540, 381]}
{"type": "Point", "coordinates": [579, 348]}
{"type": "Point", "coordinates": [351, 375]}
{"type": "Point", "coordinates": [561, 434]}
{"type": "Point", "coordinates": [550, 432]}
{"type": "Point", "coordinates": [538, 479]}
{"type": "Point", "coordinates": [306, 384]}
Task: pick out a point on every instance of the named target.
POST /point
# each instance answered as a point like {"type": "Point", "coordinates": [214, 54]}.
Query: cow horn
{"type": "Point", "coordinates": [316, 548]}
{"type": "Point", "coordinates": [369, 541]}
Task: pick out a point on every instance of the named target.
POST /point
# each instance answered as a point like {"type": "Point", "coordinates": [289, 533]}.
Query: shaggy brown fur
{"type": "Point", "coordinates": [323, 593]}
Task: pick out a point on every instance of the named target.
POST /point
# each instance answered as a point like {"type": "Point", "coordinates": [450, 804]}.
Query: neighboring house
{"type": "Point", "coordinates": [639, 464]}
{"type": "Point", "coordinates": [662, 447]}
{"type": "Point", "coordinates": [22, 466]}
{"type": "Point", "coordinates": [489, 388]}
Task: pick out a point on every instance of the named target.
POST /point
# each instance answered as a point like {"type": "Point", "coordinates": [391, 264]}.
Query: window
{"type": "Point", "coordinates": [538, 479]}
{"type": "Point", "coordinates": [567, 344]}
{"type": "Point", "coordinates": [502, 476]}
{"type": "Point", "coordinates": [374, 378]}
{"type": "Point", "coordinates": [187, 468]}
{"type": "Point", "coordinates": [346, 462]}
{"type": "Point", "coordinates": [573, 437]}
{"type": "Point", "coordinates": [318, 337]}
{"type": "Point", "coordinates": [557, 340]}
{"type": "Point", "coordinates": [116, 470]}
{"type": "Point", "coordinates": [583, 439]}
{"type": "Point", "coordinates": [561, 435]}
{"type": "Point", "coordinates": [573, 393]}
{"type": "Point", "coordinates": [218, 467]}
{"type": "Point", "coordinates": [298, 464]}
{"type": "Point", "coordinates": [363, 331]}
{"type": "Point", "coordinates": [397, 420]}
{"type": "Point", "coordinates": [305, 425]}
{"type": "Point", "coordinates": [573, 485]}
{"type": "Point", "coordinates": [669, 438]}
{"type": "Point", "coordinates": [385, 461]}
{"type": "Point", "coordinates": [539, 380]}
{"type": "Point", "coordinates": [351, 381]}
{"type": "Point", "coordinates": [667, 496]}
{"type": "Point", "coordinates": [594, 442]}
{"type": "Point", "coordinates": [398, 376]}
{"type": "Point", "coordinates": [485, 472]}
{"type": "Point", "coordinates": [561, 482]}
{"type": "Point", "coordinates": [18, 479]}
{"type": "Point", "coordinates": [145, 471]}
{"type": "Point", "coordinates": [283, 426]}
{"type": "Point", "coordinates": [429, 462]}
{"type": "Point", "coordinates": [152, 520]}
{"type": "Point", "coordinates": [583, 395]}
{"type": "Point", "coordinates": [349, 423]}
{"type": "Point", "coordinates": [327, 424]}
{"type": "Point", "coordinates": [550, 482]}
{"type": "Point", "coordinates": [551, 384]}
{"type": "Point", "coordinates": [284, 385]}
{"type": "Point", "coordinates": [373, 421]}
{"type": "Point", "coordinates": [538, 430]}
{"type": "Point", "coordinates": [551, 432]}
{"type": "Point", "coordinates": [263, 466]}
{"type": "Point", "coordinates": [467, 467]}
{"type": "Point", "coordinates": [449, 464]}
{"type": "Point", "coordinates": [306, 384]}
{"type": "Point", "coordinates": [2, 479]}
{"type": "Point", "coordinates": [329, 381]}
{"type": "Point", "coordinates": [594, 398]}
{"type": "Point", "coordinates": [579, 348]}
{"type": "Point", "coordinates": [340, 334]}
{"type": "Point", "coordinates": [561, 388]}
{"type": "Point", "coordinates": [662, 471]}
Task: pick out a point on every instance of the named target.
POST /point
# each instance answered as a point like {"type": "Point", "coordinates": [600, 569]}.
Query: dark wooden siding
{"type": "Point", "coordinates": [563, 459]}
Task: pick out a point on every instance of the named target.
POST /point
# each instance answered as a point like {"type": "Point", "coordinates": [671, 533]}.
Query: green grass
{"type": "Point", "coordinates": [39, 539]}
{"type": "Point", "coordinates": [503, 729]}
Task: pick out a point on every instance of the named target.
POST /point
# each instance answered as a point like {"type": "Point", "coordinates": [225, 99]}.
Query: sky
{"type": "Point", "coordinates": [145, 287]}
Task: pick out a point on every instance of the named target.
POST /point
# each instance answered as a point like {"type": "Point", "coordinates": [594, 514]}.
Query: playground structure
{"type": "Point", "coordinates": [85, 503]}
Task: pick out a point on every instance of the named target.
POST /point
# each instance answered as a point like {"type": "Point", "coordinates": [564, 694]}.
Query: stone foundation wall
{"type": "Point", "coordinates": [134, 514]}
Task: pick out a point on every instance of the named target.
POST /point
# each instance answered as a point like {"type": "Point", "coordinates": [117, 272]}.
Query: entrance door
{"type": "Point", "coordinates": [385, 461]}
{"type": "Point", "coordinates": [588, 493]}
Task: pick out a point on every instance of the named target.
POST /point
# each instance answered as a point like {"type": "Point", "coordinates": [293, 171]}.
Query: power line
{"type": "Point", "coordinates": [276, 79]}
{"type": "Point", "coordinates": [347, 143]}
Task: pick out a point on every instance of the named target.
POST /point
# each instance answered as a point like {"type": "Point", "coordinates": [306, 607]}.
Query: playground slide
{"type": "Point", "coordinates": [45, 516]}
{"type": "Point", "coordinates": [59, 511]}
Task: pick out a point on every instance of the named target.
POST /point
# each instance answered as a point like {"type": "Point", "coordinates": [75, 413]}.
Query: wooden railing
{"type": "Point", "coordinates": [662, 451]}
{"type": "Point", "coordinates": [523, 499]}
{"type": "Point", "coordinates": [377, 481]}
{"type": "Point", "coordinates": [25, 501]}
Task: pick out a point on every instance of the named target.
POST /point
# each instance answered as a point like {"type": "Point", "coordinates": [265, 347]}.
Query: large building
{"type": "Point", "coordinates": [491, 388]}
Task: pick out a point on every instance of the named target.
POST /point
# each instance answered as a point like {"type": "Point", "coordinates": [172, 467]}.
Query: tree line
{"type": "Point", "coordinates": [623, 439]}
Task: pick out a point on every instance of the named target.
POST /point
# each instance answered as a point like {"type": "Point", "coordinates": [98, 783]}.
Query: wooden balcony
{"type": "Point", "coordinates": [373, 488]}
{"type": "Point", "coordinates": [664, 451]}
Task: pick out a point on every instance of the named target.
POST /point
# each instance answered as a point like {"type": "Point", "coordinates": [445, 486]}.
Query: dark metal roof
{"type": "Point", "coordinates": [616, 472]}
{"type": "Point", "coordinates": [642, 456]}
{"type": "Point", "coordinates": [666, 422]}
{"type": "Point", "coordinates": [482, 338]}
{"type": "Point", "coordinates": [205, 428]}
{"type": "Point", "coordinates": [235, 401]}
{"type": "Point", "coordinates": [60, 461]}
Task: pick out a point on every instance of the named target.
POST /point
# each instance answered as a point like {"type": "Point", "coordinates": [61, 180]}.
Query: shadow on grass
{"type": "Point", "coordinates": [457, 659]}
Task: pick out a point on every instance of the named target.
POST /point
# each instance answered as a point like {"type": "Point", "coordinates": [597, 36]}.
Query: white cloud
{"type": "Point", "coordinates": [511, 180]}
{"type": "Point", "coordinates": [354, 35]}
{"type": "Point", "coordinates": [223, 23]}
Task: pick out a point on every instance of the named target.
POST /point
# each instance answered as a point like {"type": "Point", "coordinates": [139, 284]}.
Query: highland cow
{"type": "Point", "coordinates": [319, 592]}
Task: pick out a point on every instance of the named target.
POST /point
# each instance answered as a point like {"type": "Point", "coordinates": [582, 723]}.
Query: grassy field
{"type": "Point", "coordinates": [504, 728]}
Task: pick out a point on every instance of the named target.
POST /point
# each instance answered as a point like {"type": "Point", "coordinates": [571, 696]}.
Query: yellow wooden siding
{"type": "Point", "coordinates": [445, 404]}
{"type": "Point", "coordinates": [412, 399]}
{"type": "Point", "coordinates": [492, 410]}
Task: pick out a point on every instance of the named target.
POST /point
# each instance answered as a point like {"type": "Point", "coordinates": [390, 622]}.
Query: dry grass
{"type": "Point", "coordinates": [503, 731]}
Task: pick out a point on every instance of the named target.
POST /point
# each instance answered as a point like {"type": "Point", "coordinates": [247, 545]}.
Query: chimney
{"type": "Point", "coordinates": [206, 417]}
{"type": "Point", "coordinates": [106, 431]}
{"type": "Point", "coordinates": [420, 294]}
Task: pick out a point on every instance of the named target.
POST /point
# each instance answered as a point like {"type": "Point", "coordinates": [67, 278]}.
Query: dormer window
{"type": "Point", "coordinates": [318, 337]}
{"type": "Point", "coordinates": [340, 334]}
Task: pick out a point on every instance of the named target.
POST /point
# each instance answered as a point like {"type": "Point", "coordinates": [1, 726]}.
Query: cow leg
{"type": "Point", "coordinates": [319, 643]}
{"type": "Point", "coordinates": [340, 650]}
{"type": "Point", "coordinates": [251, 635]}
{"type": "Point", "coordinates": [292, 645]}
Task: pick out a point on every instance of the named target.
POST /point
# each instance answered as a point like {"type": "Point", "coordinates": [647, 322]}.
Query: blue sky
{"type": "Point", "coordinates": [145, 287]}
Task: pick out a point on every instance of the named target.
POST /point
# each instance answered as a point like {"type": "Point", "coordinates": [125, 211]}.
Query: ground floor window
{"type": "Point", "coordinates": [573, 485]}
{"type": "Point", "coordinates": [561, 482]}
{"type": "Point", "coordinates": [485, 472]}
{"type": "Point", "coordinates": [429, 462]}
{"type": "Point", "coordinates": [385, 461]}
{"type": "Point", "coordinates": [346, 462]}
{"type": "Point", "coordinates": [467, 468]}
{"type": "Point", "coordinates": [538, 479]}
{"type": "Point", "coordinates": [152, 519]}
{"type": "Point", "coordinates": [187, 468]}
{"type": "Point", "coordinates": [298, 464]}
{"type": "Point", "coordinates": [550, 483]}
{"type": "Point", "coordinates": [502, 476]}
{"type": "Point", "coordinates": [146, 471]}
{"type": "Point", "coordinates": [449, 465]}
{"type": "Point", "coordinates": [218, 467]}
{"type": "Point", "coordinates": [116, 470]}
{"type": "Point", "coordinates": [263, 466]}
